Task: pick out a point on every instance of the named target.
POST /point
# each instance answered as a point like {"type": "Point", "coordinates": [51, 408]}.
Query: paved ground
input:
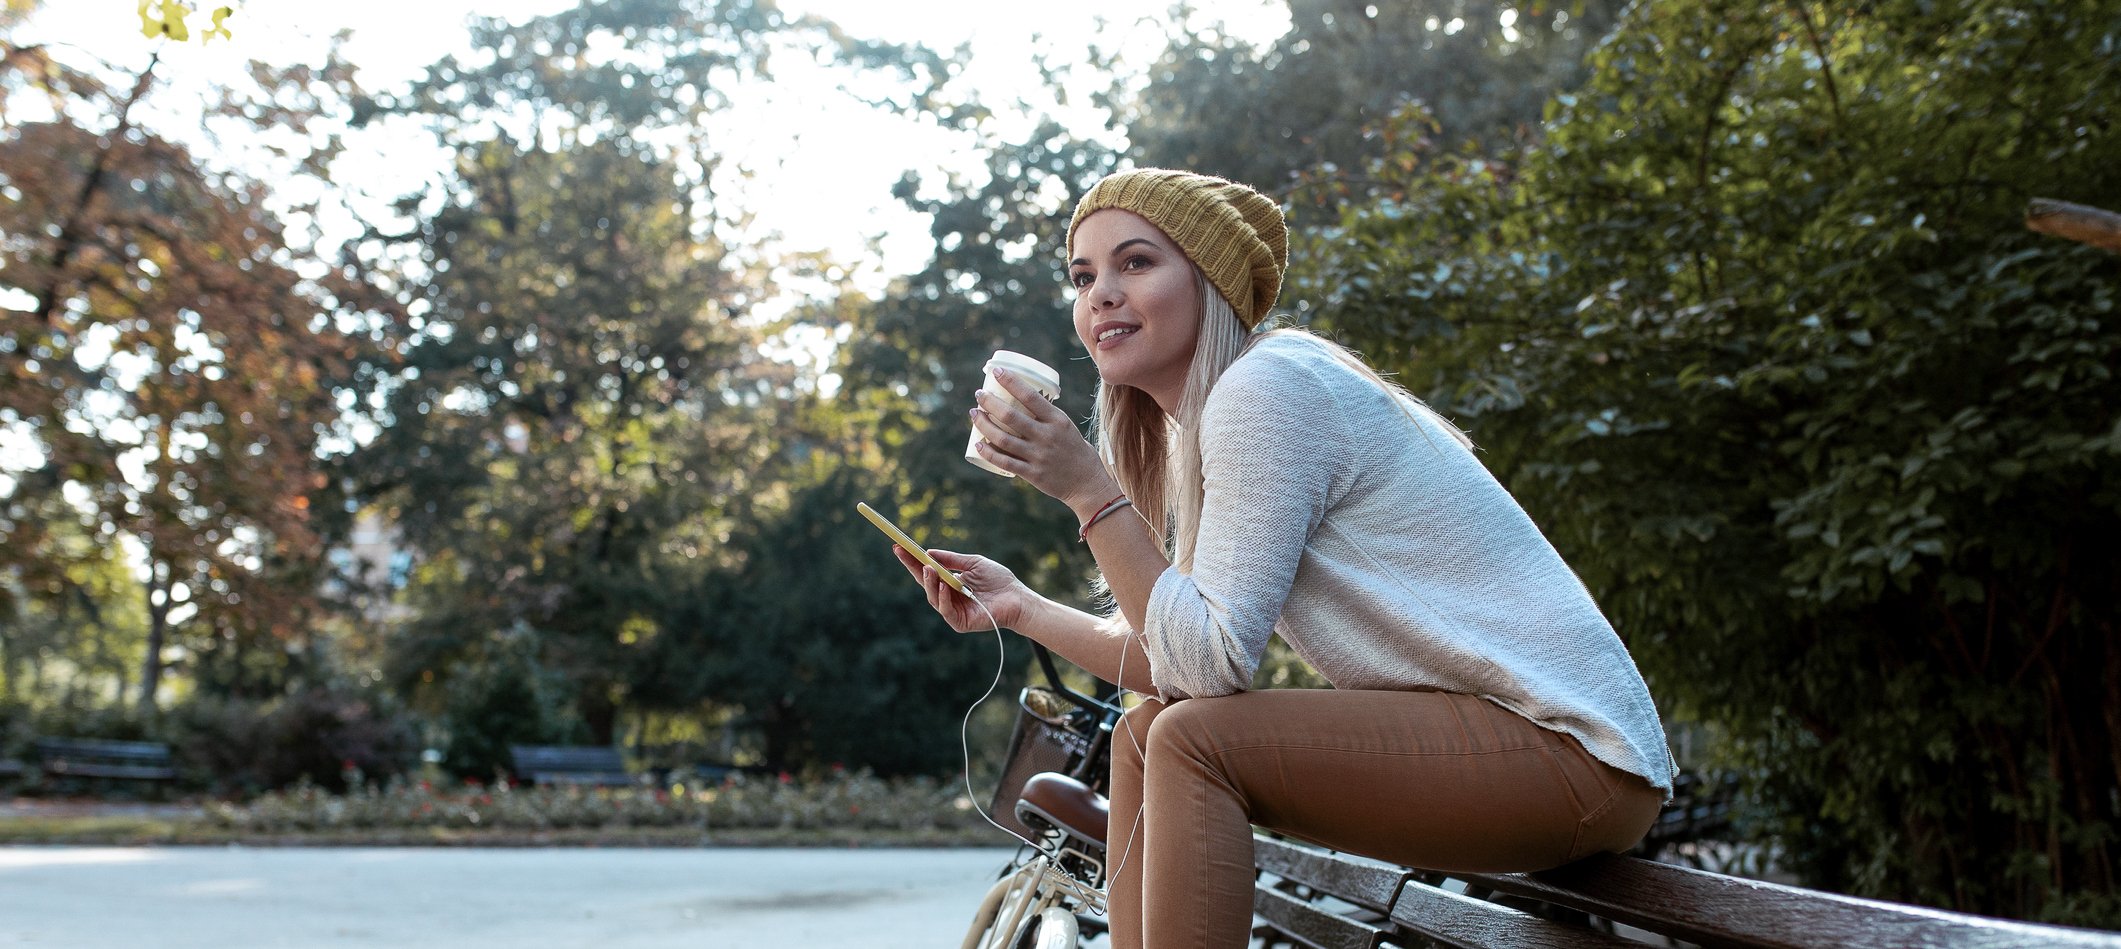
{"type": "Point", "coordinates": [178, 897]}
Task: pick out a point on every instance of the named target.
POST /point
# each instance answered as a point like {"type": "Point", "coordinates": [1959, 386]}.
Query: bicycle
{"type": "Point", "coordinates": [1051, 895]}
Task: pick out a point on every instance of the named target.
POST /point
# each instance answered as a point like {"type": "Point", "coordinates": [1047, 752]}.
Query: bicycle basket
{"type": "Point", "coordinates": [1041, 741]}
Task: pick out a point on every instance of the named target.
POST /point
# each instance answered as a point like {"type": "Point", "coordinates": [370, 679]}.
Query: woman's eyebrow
{"type": "Point", "coordinates": [1123, 245]}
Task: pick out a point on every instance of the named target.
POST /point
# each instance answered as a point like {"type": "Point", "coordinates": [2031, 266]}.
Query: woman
{"type": "Point", "coordinates": [1484, 715]}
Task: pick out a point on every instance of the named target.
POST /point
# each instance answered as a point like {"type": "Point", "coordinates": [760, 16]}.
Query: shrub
{"type": "Point", "coordinates": [319, 734]}
{"type": "Point", "coordinates": [508, 699]}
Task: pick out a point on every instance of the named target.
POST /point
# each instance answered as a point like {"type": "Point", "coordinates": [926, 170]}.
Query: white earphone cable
{"type": "Point", "coordinates": [964, 730]}
{"type": "Point", "coordinates": [964, 737]}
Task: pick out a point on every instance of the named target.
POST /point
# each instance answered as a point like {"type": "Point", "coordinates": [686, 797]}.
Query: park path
{"type": "Point", "coordinates": [176, 897]}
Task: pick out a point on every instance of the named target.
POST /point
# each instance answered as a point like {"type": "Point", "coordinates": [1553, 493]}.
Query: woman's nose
{"type": "Point", "coordinates": [1104, 295]}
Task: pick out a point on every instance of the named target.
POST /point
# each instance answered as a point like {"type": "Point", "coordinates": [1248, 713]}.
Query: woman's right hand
{"type": "Point", "coordinates": [1005, 596]}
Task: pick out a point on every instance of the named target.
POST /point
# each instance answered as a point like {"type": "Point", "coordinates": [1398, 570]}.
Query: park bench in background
{"type": "Point", "coordinates": [1315, 898]}
{"type": "Point", "coordinates": [569, 764]}
{"type": "Point", "coordinates": [95, 758]}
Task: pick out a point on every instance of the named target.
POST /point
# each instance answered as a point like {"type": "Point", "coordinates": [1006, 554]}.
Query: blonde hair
{"type": "Point", "coordinates": [1156, 457]}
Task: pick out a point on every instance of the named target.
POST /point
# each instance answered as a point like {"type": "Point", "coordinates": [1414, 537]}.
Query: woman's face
{"type": "Point", "coordinates": [1137, 304]}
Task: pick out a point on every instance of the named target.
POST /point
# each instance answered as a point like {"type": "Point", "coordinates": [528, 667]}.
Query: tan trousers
{"type": "Point", "coordinates": [1426, 779]}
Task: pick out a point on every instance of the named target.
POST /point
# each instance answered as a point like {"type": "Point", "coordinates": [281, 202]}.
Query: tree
{"type": "Point", "coordinates": [1758, 337]}
{"type": "Point", "coordinates": [995, 283]}
{"type": "Point", "coordinates": [579, 419]}
{"type": "Point", "coordinates": [828, 653]}
{"type": "Point", "coordinates": [1213, 103]}
{"type": "Point", "coordinates": [570, 416]}
{"type": "Point", "coordinates": [170, 364]}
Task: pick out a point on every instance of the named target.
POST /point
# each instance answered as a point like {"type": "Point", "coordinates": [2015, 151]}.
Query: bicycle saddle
{"type": "Point", "coordinates": [1065, 803]}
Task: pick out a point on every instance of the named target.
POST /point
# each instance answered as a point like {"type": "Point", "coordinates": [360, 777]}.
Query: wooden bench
{"type": "Point", "coordinates": [1315, 898]}
{"type": "Point", "coordinates": [108, 760]}
{"type": "Point", "coordinates": [570, 764]}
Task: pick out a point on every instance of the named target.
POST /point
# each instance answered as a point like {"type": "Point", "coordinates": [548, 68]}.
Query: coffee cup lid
{"type": "Point", "coordinates": [1036, 372]}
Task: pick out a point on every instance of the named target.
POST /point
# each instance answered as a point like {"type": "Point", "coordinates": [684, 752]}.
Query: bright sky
{"type": "Point", "coordinates": [824, 164]}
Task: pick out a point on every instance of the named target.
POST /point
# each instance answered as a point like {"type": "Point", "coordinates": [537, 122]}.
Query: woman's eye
{"type": "Point", "coordinates": [1080, 279]}
{"type": "Point", "coordinates": [1137, 263]}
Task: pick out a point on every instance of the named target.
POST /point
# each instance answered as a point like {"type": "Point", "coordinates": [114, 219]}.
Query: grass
{"type": "Point", "coordinates": [91, 830]}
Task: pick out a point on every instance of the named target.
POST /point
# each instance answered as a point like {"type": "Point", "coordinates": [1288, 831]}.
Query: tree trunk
{"type": "Point", "coordinates": [598, 712]}
{"type": "Point", "coordinates": [780, 735]}
{"type": "Point", "coordinates": [2097, 227]}
{"type": "Point", "coordinates": [157, 631]}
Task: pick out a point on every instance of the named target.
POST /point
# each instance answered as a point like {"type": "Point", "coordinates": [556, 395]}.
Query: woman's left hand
{"type": "Point", "coordinates": [1040, 444]}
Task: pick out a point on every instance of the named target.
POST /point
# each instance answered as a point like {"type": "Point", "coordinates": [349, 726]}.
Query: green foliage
{"type": "Point", "coordinates": [1757, 335]}
{"type": "Point", "coordinates": [575, 403]}
{"type": "Point", "coordinates": [571, 416]}
{"type": "Point", "coordinates": [76, 626]}
{"type": "Point", "coordinates": [816, 635]}
{"type": "Point", "coordinates": [583, 437]}
{"type": "Point", "coordinates": [504, 698]}
{"type": "Point", "coordinates": [995, 283]}
{"type": "Point", "coordinates": [1312, 97]}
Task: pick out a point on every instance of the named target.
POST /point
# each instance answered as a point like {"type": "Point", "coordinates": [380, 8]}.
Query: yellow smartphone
{"type": "Point", "coordinates": [900, 538]}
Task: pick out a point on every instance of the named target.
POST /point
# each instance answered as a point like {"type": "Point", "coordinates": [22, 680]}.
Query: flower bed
{"type": "Point", "coordinates": [857, 802]}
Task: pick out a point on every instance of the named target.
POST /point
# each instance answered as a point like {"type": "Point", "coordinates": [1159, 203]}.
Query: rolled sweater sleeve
{"type": "Point", "coordinates": [1272, 459]}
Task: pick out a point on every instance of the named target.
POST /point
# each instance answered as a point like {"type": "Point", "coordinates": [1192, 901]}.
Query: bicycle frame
{"type": "Point", "coordinates": [1042, 891]}
{"type": "Point", "coordinates": [1036, 904]}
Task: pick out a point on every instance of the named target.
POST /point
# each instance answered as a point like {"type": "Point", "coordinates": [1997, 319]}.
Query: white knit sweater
{"type": "Point", "coordinates": [1389, 557]}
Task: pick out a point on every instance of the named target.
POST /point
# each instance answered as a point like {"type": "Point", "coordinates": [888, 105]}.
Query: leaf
{"type": "Point", "coordinates": [173, 14]}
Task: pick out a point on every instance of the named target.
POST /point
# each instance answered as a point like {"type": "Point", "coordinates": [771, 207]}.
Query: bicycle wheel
{"type": "Point", "coordinates": [1010, 908]}
{"type": "Point", "coordinates": [982, 935]}
{"type": "Point", "coordinates": [1052, 928]}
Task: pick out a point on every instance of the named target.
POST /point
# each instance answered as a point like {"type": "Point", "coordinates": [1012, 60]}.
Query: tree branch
{"type": "Point", "coordinates": [70, 232]}
{"type": "Point", "coordinates": [2097, 227]}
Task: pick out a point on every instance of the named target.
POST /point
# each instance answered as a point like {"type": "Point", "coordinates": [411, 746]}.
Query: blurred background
{"type": "Point", "coordinates": [384, 388]}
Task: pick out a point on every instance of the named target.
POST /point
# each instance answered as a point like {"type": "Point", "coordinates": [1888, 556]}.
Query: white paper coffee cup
{"type": "Point", "coordinates": [1037, 374]}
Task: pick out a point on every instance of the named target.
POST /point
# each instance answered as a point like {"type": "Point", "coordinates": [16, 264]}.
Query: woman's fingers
{"type": "Point", "coordinates": [1010, 419]}
{"type": "Point", "coordinates": [1034, 402]}
{"type": "Point", "coordinates": [996, 434]}
{"type": "Point", "coordinates": [912, 564]}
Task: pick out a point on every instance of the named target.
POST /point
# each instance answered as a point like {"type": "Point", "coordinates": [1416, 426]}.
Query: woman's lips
{"type": "Point", "coordinates": [1109, 335]}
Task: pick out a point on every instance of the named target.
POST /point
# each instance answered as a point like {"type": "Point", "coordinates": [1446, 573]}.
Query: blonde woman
{"type": "Point", "coordinates": [1483, 715]}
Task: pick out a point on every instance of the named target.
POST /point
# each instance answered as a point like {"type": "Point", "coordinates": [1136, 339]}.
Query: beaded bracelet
{"type": "Point", "coordinates": [1102, 513]}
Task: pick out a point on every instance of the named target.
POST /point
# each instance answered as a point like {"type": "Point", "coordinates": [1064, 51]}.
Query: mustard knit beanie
{"type": "Point", "coordinates": [1234, 234]}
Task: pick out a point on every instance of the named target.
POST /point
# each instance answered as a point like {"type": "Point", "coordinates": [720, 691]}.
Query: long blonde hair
{"type": "Point", "coordinates": [1156, 457]}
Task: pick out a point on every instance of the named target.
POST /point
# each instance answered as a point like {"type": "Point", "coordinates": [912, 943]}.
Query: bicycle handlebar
{"type": "Point", "coordinates": [1108, 704]}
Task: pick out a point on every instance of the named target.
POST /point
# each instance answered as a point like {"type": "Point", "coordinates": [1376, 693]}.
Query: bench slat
{"type": "Point", "coordinates": [98, 748]}
{"type": "Point", "coordinates": [1310, 925]}
{"type": "Point", "coordinates": [90, 769]}
{"type": "Point", "coordinates": [1459, 920]}
{"type": "Point", "coordinates": [1367, 883]}
{"type": "Point", "coordinates": [1716, 910]}
{"type": "Point", "coordinates": [570, 764]}
{"type": "Point", "coordinates": [98, 758]}
{"type": "Point", "coordinates": [579, 777]}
